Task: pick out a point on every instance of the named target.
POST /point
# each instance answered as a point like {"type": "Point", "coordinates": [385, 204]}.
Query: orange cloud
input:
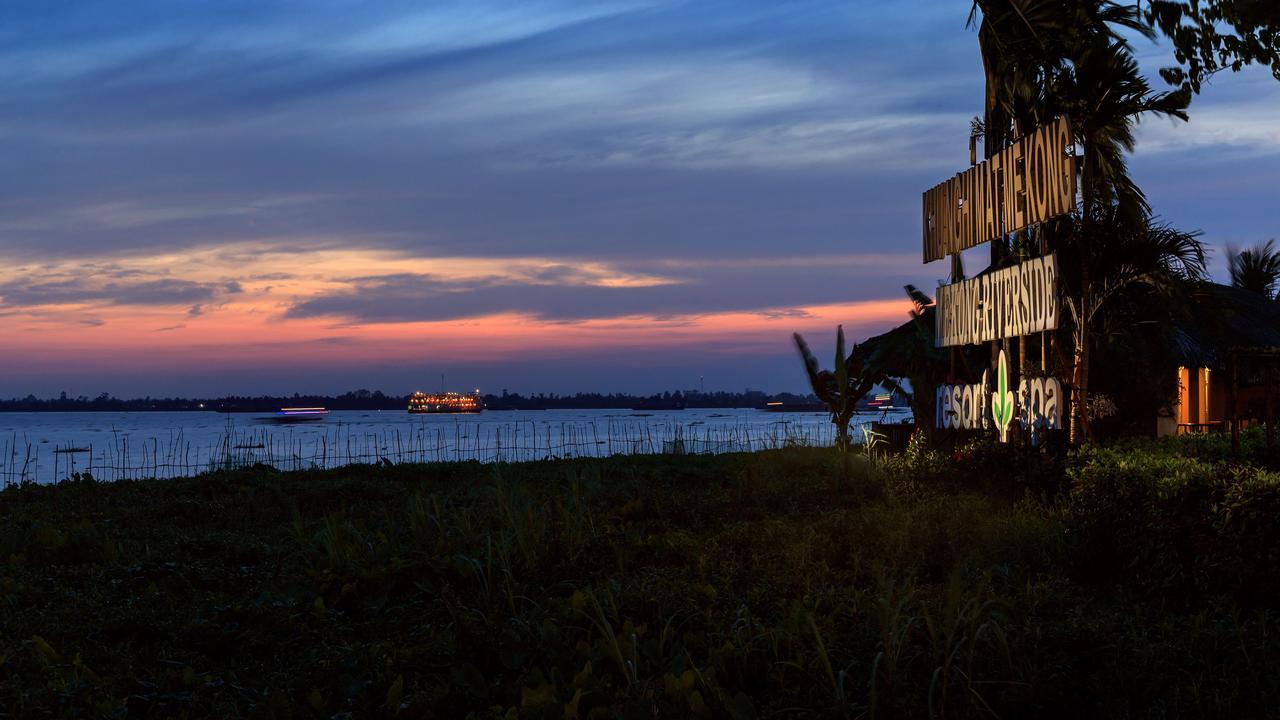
{"type": "Point", "coordinates": [226, 307]}
{"type": "Point", "coordinates": [244, 336]}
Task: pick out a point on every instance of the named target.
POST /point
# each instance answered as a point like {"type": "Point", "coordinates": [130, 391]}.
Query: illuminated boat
{"type": "Point", "coordinates": [882, 402]}
{"type": "Point", "coordinates": [779, 406]}
{"type": "Point", "coordinates": [448, 402]}
{"type": "Point", "coordinates": [299, 414]}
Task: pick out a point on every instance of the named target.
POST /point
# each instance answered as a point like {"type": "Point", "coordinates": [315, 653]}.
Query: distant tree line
{"type": "Point", "coordinates": [377, 400]}
{"type": "Point", "coordinates": [687, 398]}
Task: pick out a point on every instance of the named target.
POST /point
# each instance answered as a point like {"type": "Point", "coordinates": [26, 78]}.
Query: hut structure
{"type": "Point", "coordinates": [1228, 349]}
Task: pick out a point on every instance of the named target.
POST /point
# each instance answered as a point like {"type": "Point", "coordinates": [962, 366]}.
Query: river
{"type": "Point", "coordinates": [45, 447]}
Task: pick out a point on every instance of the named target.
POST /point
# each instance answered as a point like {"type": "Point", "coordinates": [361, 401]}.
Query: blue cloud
{"type": "Point", "coordinates": [627, 131]}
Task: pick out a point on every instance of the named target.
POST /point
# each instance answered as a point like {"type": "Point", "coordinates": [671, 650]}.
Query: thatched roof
{"type": "Point", "coordinates": [906, 349]}
{"type": "Point", "coordinates": [1222, 318]}
{"type": "Point", "coordinates": [891, 350]}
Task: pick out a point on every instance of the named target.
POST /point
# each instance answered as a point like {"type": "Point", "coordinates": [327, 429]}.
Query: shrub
{"type": "Point", "coordinates": [1185, 527]}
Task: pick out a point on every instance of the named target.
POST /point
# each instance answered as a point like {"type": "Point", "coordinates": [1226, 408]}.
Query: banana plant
{"type": "Point", "coordinates": [841, 389]}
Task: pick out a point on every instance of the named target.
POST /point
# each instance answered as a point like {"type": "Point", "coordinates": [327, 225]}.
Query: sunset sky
{"type": "Point", "coordinates": [250, 196]}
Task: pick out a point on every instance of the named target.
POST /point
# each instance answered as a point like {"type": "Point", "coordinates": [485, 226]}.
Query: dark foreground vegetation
{"type": "Point", "coordinates": [1137, 581]}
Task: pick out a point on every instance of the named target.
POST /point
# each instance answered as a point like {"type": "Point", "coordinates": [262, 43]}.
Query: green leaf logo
{"type": "Point", "coordinates": [1002, 399]}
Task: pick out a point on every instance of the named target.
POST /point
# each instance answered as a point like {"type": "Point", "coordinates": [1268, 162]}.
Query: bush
{"type": "Point", "coordinates": [1185, 527]}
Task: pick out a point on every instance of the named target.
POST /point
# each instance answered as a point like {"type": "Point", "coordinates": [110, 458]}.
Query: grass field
{"type": "Point", "coordinates": [1138, 581]}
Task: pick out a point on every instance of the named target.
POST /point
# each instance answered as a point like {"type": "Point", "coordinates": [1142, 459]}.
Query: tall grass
{"type": "Point", "coordinates": [792, 583]}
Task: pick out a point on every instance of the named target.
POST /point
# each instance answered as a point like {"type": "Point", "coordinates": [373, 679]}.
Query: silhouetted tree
{"type": "Point", "coordinates": [841, 389]}
{"type": "Point", "coordinates": [1048, 58]}
{"type": "Point", "coordinates": [1210, 36]}
{"type": "Point", "coordinates": [1256, 269]}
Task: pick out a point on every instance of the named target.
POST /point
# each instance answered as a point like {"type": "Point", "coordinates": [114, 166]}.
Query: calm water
{"type": "Point", "coordinates": [43, 447]}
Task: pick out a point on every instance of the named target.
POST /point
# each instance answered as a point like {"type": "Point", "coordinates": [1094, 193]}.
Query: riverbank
{"type": "Point", "coordinates": [1136, 581]}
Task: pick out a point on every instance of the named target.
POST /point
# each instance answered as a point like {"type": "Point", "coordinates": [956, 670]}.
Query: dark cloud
{"type": "Point", "coordinates": [678, 129]}
{"type": "Point", "coordinates": [770, 290]}
{"type": "Point", "coordinates": [27, 292]}
{"type": "Point", "coordinates": [558, 134]}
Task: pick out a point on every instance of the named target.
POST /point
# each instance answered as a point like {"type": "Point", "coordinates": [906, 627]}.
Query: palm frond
{"type": "Point", "coordinates": [919, 300]}
{"type": "Point", "coordinates": [1256, 269]}
{"type": "Point", "coordinates": [812, 370]}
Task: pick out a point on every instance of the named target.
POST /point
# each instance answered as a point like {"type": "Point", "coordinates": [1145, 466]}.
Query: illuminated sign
{"type": "Point", "coordinates": [1024, 184]}
{"type": "Point", "coordinates": [1036, 405]}
{"type": "Point", "coordinates": [1002, 399]}
{"type": "Point", "coordinates": [1015, 301]}
{"type": "Point", "coordinates": [963, 407]}
{"type": "Point", "coordinates": [1039, 405]}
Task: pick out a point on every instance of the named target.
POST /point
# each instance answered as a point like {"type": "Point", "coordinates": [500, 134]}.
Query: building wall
{"type": "Point", "coordinates": [1203, 398]}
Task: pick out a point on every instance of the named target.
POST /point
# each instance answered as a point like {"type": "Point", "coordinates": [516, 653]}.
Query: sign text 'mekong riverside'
{"type": "Point", "coordinates": [1011, 302]}
{"type": "Point", "coordinates": [1024, 184]}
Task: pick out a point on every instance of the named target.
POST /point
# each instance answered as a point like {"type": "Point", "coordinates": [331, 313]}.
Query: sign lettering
{"type": "Point", "coordinates": [1024, 184]}
{"type": "Point", "coordinates": [1012, 302]}
{"type": "Point", "coordinates": [963, 407]}
{"type": "Point", "coordinates": [1036, 406]}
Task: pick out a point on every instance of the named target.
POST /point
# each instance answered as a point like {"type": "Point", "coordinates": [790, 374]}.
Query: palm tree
{"type": "Point", "coordinates": [840, 390]}
{"type": "Point", "coordinates": [1256, 268]}
{"type": "Point", "coordinates": [1154, 255]}
{"type": "Point", "coordinates": [1047, 58]}
{"type": "Point", "coordinates": [1116, 262]}
{"type": "Point", "coordinates": [1026, 44]}
{"type": "Point", "coordinates": [1147, 286]}
{"type": "Point", "coordinates": [1107, 95]}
